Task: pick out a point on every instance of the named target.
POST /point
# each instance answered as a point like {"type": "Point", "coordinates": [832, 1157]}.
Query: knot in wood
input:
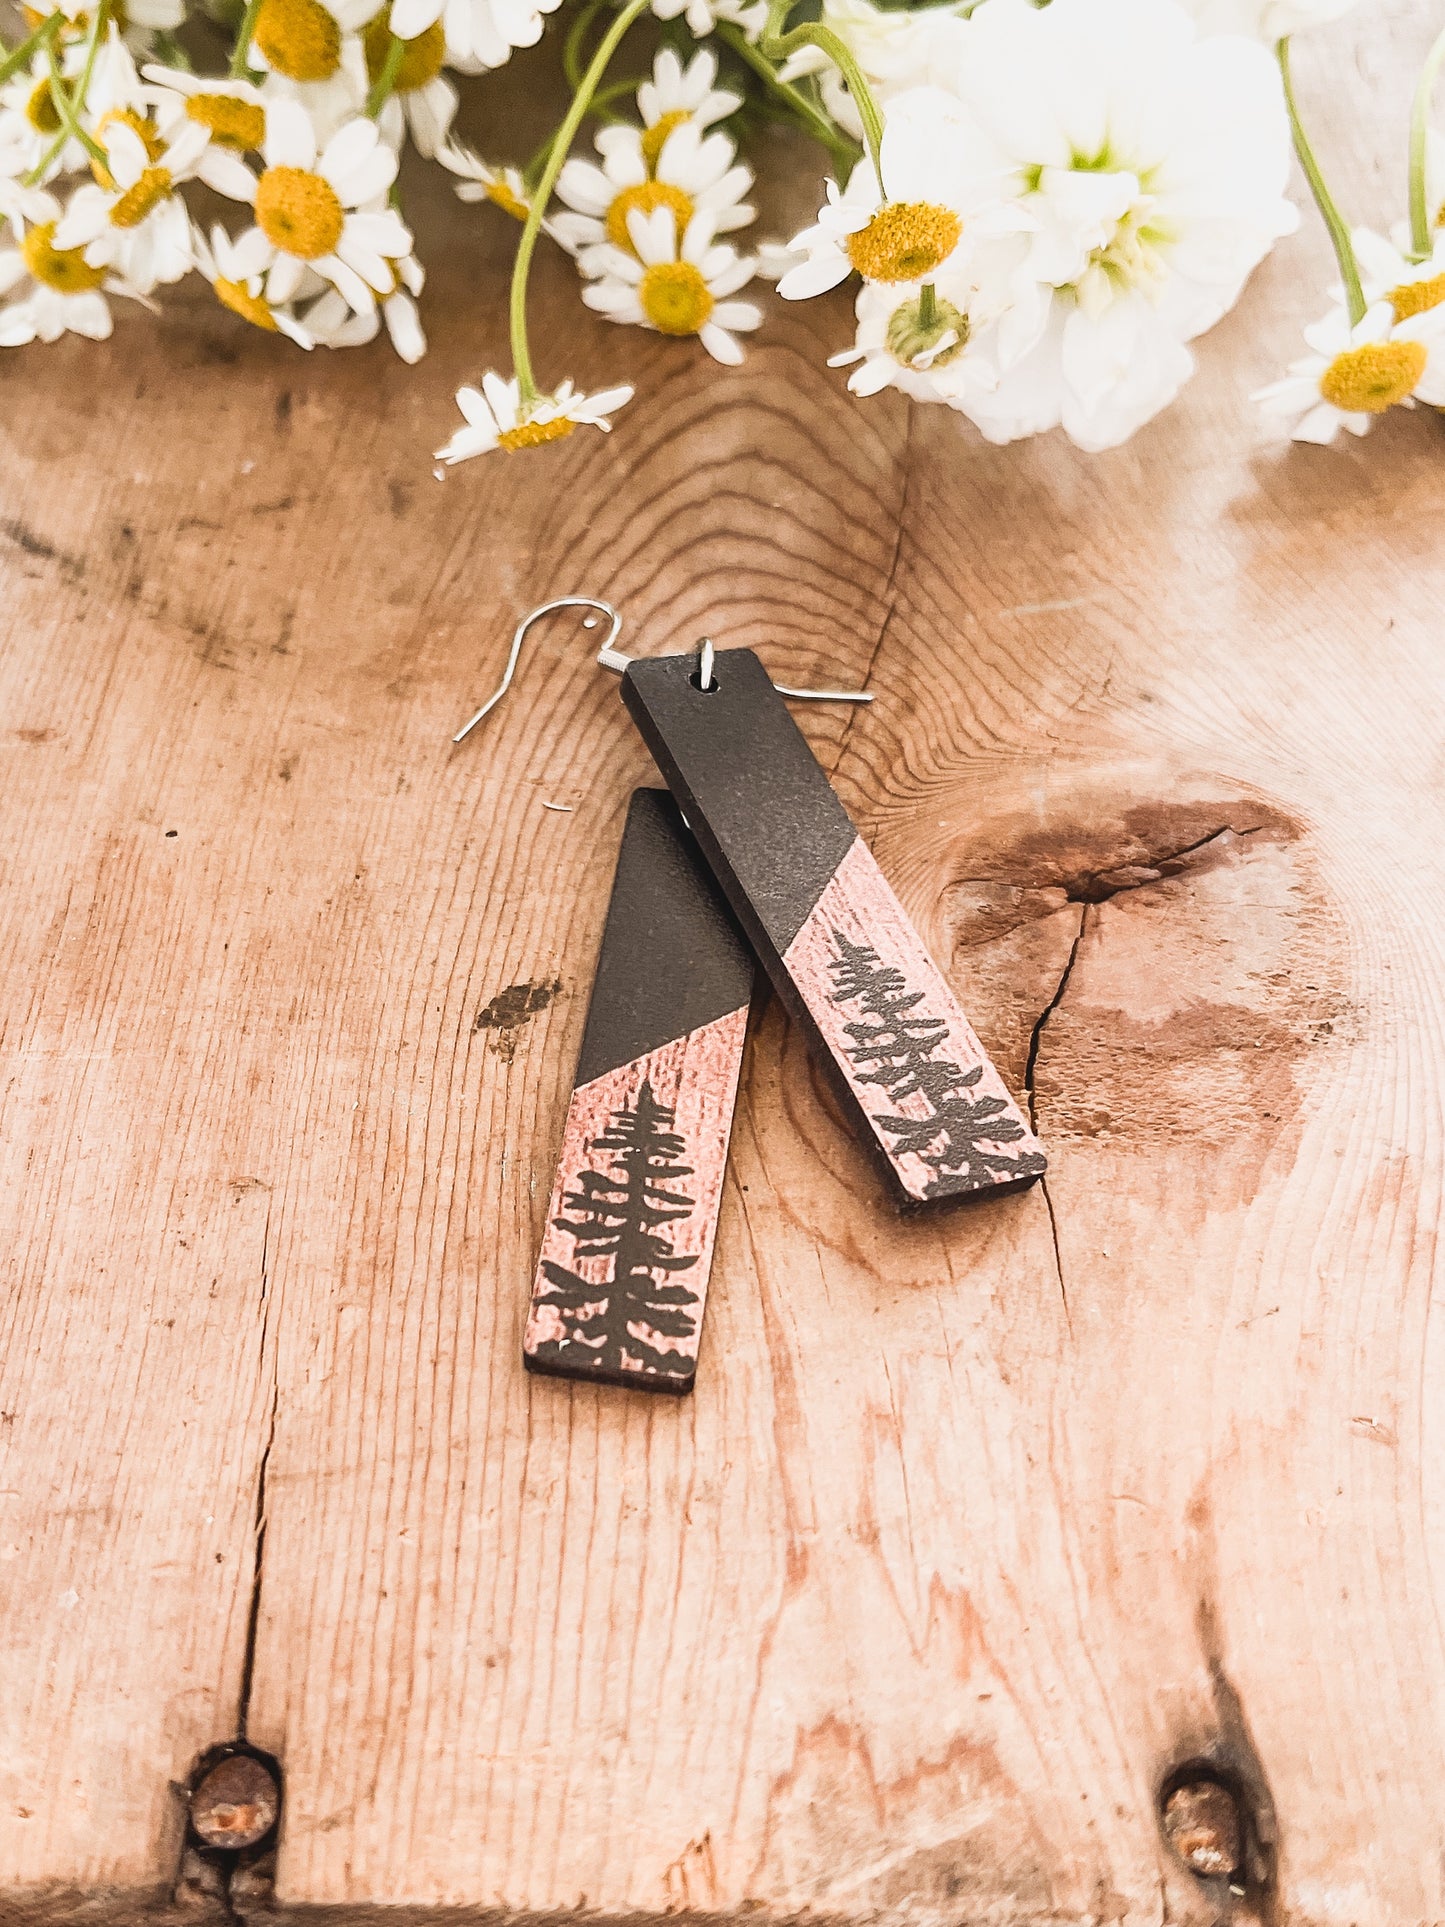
{"type": "Point", "coordinates": [235, 1804]}
{"type": "Point", "coordinates": [1202, 1823]}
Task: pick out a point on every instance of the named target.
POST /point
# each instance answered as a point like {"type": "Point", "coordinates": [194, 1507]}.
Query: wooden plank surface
{"type": "Point", "coordinates": [975, 1527]}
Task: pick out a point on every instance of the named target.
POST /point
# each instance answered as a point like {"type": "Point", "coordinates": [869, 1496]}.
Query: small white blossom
{"type": "Point", "coordinates": [244, 294]}
{"type": "Point", "coordinates": [676, 288]}
{"type": "Point", "coordinates": [676, 93]}
{"type": "Point", "coordinates": [495, 417]}
{"type": "Point", "coordinates": [479, 33]}
{"type": "Point", "coordinates": [693, 173]}
{"type": "Point", "coordinates": [479, 180]}
{"type": "Point", "coordinates": [1356, 374]}
{"type": "Point", "coordinates": [137, 225]}
{"type": "Point", "coordinates": [59, 292]}
{"type": "Point", "coordinates": [946, 195]}
{"type": "Point", "coordinates": [948, 359]}
{"type": "Point", "coordinates": [1153, 167]}
{"type": "Point", "coordinates": [318, 213]}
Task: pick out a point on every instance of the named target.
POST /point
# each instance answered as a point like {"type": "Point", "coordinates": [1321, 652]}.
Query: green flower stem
{"type": "Point", "coordinates": [65, 107]}
{"type": "Point", "coordinates": [1324, 200]}
{"type": "Point", "coordinates": [576, 38]}
{"type": "Point", "coordinates": [778, 45]}
{"type": "Point", "coordinates": [811, 118]}
{"type": "Point", "coordinates": [27, 50]}
{"type": "Point", "coordinates": [82, 88]}
{"type": "Point", "coordinates": [1420, 222]}
{"type": "Point", "coordinates": [386, 79]}
{"type": "Point", "coordinates": [240, 57]}
{"type": "Point", "coordinates": [561, 144]}
{"type": "Point", "coordinates": [927, 306]}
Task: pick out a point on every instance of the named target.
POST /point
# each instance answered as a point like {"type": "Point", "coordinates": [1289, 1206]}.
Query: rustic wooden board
{"type": "Point", "coordinates": [975, 1526]}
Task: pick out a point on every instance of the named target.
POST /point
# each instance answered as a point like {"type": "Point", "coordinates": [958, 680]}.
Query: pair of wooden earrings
{"type": "Point", "coordinates": [751, 859]}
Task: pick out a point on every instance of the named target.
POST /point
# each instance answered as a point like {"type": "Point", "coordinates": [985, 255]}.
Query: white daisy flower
{"type": "Point", "coordinates": [479, 33]}
{"type": "Point", "coordinates": [495, 418]}
{"type": "Point", "coordinates": [1356, 374]}
{"type": "Point", "coordinates": [1153, 166]}
{"type": "Point", "coordinates": [231, 111]}
{"type": "Point", "coordinates": [946, 358]}
{"type": "Point", "coordinates": [318, 214]}
{"type": "Point", "coordinates": [694, 173]}
{"type": "Point", "coordinates": [676, 290]}
{"type": "Point", "coordinates": [676, 94]}
{"type": "Point", "coordinates": [137, 224]}
{"type": "Point", "coordinates": [244, 294]}
{"type": "Point", "coordinates": [422, 99]}
{"type": "Point", "coordinates": [335, 326]}
{"type": "Point", "coordinates": [944, 199]}
{"type": "Point", "coordinates": [1389, 274]}
{"type": "Point", "coordinates": [302, 40]}
{"type": "Point", "coordinates": [30, 124]}
{"type": "Point", "coordinates": [60, 291]}
{"type": "Point", "coordinates": [478, 180]}
{"type": "Point", "coordinates": [1267, 20]}
{"type": "Point", "coordinates": [313, 54]}
{"type": "Point", "coordinates": [702, 16]}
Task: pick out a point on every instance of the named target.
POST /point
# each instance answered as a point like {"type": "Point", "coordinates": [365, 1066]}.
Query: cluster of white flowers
{"type": "Point", "coordinates": [1038, 206]}
{"type": "Point", "coordinates": [103, 126]}
{"type": "Point", "coordinates": [1088, 194]}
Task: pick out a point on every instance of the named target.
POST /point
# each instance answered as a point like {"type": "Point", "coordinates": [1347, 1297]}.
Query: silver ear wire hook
{"type": "Point", "coordinates": [609, 657]}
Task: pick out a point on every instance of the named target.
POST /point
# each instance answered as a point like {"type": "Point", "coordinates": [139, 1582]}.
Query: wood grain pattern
{"type": "Point", "coordinates": [907, 1626]}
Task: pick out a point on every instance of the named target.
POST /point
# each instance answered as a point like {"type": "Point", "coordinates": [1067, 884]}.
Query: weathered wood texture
{"type": "Point", "coordinates": [975, 1527]}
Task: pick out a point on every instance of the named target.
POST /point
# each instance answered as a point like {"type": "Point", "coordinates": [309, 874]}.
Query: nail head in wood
{"type": "Point", "coordinates": [235, 1803]}
{"type": "Point", "coordinates": [1202, 1824]}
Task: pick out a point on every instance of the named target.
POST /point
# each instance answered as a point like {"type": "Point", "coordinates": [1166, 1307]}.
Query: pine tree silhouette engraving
{"type": "Point", "coordinates": [960, 1134]}
{"type": "Point", "coordinates": [617, 1216]}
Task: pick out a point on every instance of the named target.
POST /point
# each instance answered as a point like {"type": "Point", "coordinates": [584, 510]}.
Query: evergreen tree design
{"type": "Point", "coordinates": [893, 1046]}
{"type": "Point", "coordinates": [617, 1215]}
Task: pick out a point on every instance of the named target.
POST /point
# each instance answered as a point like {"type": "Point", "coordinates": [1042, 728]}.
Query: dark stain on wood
{"type": "Point", "coordinates": [511, 1009]}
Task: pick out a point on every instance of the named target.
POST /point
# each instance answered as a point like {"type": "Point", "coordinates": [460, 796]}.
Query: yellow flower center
{"type": "Point", "coordinates": [40, 110]}
{"type": "Point", "coordinates": [421, 61]}
{"type": "Point", "coordinates": [233, 123]}
{"type": "Point", "coordinates": [1368, 380]}
{"type": "Point", "coordinates": [646, 196]}
{"type": "Point", "coordinates": [251, 307]}
{"type": "Point", "coordinates": [298, 212]}
{"type": "Point", "coordinates": [147, 131]}
{"type": "Point", "coordinates": [654, 138]}
{"type": "Point", "coordinates": [675, 298]}
{"type": "Point", "coordinates": [64, 269]}
{"type": "Point", "coordinates": [1416, 297]}
{"type": "Point", "coordinates": [502, 195]}
{"type": "Point", "coordinates": [299, 38]}
{"type": "Point", "coordinates": [142, 199]}
{"type": "Point", "coordinates": [904, 241]}
{"type": "Point", "coordinates": [534, 434]}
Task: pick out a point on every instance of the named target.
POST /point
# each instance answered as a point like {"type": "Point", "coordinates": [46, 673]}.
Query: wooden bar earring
{"type": "Point", "coordinates": [622, 1278]}
{"type": "Point", "coordinates": [829, 931]}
